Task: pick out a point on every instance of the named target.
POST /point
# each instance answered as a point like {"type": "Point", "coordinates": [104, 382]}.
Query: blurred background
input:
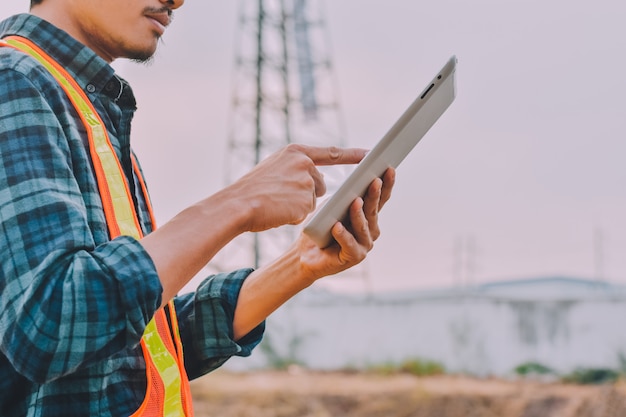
{"type": "Point", "coordinates": [504, 242]}
{"type": "Point", "coordinates": [522, 177]}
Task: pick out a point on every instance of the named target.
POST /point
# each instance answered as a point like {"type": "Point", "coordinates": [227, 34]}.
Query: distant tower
{"type": "Point", "coordinates": [284, 91]}
{"type": "Point", "coordinates": [464, 258]}
{"type": "Point", "coordinates": [599, 241]}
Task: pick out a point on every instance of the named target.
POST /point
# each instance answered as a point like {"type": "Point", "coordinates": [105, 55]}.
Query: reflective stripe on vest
{"type": "Point", "coordinates": [167, 392]}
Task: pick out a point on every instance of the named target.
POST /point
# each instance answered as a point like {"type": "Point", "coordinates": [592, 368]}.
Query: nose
{"type": "Point", "coordinates": [173, 4]}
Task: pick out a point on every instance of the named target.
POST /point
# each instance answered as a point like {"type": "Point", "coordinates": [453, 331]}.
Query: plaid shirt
{"type": "Point", "coordinates": [73, 303]}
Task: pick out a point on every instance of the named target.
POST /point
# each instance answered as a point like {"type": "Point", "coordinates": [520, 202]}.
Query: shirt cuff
{"type": "Point", "coordinates": [206, 323]}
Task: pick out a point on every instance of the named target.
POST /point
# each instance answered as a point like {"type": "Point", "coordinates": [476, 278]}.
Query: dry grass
{"type": "Point", "coordinates": [308, 394]}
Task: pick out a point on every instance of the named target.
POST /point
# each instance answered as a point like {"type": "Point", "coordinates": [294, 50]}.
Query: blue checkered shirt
{"type": "Point", "coordinates": [73, 303]}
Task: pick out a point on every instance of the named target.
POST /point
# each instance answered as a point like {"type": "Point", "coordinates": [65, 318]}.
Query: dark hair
{"type": "Point", "coordinates": [35, 2]}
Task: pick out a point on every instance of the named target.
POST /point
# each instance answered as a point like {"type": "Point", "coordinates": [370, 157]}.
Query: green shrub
{"type": "Point", "coordinates": [533, 368]}
{"type": "Point", "coordinates": [422, 367]}
{"type": "Point", "coordinates": [276, 359]}
{"type": "Point", "coordinates": [592, 376]}
{"type": "Point", "coordinates": [418, 367]}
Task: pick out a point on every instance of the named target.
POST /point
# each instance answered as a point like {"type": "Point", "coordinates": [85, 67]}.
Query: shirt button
{"type": "Point", "coordinates": [91, 88]}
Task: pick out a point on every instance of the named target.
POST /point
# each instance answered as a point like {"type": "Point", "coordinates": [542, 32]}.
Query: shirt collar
{"type": "Point", "coordinates": [84, 65]}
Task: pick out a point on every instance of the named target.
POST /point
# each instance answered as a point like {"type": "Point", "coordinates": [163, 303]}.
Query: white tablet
{"type": "Point", "coordinates": [421, 115]}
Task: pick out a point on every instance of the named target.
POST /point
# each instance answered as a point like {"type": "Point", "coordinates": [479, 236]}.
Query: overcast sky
{"type": "Point", "coordinates": [526, 170]}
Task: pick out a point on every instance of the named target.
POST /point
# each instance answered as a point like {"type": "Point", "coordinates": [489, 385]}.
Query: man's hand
{"type": "Point", "coordinates": [283, 188]}
{"type": "Point", "coordinates": [269, 287]}
{"type": "Point", "coordinates": [352, 240]}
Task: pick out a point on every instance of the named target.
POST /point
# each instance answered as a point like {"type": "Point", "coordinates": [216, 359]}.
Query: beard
{"type": "Point", "coordinates": [145, 57]}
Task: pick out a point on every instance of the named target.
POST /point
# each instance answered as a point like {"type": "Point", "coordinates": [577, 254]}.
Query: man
{"type": "Point", "coordinates": [90, 316]}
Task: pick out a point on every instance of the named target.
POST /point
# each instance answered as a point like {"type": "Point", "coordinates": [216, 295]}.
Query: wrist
{"type": "Point", "coordinates": [289, 268]}
{"type": "Point", "coordinates": [240, 211]}
{"type": "Point", "coordinates": [245, 207]}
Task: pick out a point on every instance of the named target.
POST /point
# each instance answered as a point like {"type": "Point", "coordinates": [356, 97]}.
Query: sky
{"type": "Point", "coordinates": [523, 177]}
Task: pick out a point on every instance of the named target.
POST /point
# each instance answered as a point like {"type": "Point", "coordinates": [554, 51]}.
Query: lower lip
{"type": "Point", "coordinates": [159, 27]}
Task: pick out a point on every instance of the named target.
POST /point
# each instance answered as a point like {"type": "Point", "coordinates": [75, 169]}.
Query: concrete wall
{"type": "Point", "coordinates": [485, 330]}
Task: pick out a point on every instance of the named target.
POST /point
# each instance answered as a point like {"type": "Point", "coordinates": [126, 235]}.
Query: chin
{"type": "Point", "coordinates": [142, 58]}
{"type": "Point", "coordinates": [141, 55]}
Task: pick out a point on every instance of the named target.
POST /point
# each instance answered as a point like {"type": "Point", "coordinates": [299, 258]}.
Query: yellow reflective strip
{"type": "Point", "coordinates": [163, 360]}
{"type": "Point", "coordinates": [168, 370]}
{"type": "Point", "coordinates": [124, 212]}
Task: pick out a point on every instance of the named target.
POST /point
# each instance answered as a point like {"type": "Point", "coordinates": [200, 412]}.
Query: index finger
{"type": "Point", "coordinates": [334, 155]}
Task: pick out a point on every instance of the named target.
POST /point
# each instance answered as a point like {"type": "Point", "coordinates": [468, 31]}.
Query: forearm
{"type": "Point", "coordinates": [185, 244]}
{"type": "Point", "coordinates": [266, 289]}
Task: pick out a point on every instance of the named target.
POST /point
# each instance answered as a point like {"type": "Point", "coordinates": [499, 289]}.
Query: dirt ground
{"type": "Point", "coordinates": [316, 394]}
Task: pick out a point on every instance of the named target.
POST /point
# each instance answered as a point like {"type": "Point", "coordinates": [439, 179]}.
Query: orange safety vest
{"type": "Point", "coordinates": [167, 393]}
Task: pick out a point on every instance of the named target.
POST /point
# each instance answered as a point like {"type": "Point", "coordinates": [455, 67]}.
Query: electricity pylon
{"type": "Point", "coordinates": [284, 91]}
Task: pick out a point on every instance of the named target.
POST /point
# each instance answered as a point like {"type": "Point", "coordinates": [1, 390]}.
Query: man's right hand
{"type": "Point", "coordinates": [283, 188]}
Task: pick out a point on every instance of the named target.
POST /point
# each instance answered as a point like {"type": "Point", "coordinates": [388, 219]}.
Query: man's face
{"type": "Point", "coordinates": [117, 28]}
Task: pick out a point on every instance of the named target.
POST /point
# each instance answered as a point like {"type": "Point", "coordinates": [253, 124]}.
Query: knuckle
{"type": "Point", "coordinates": [309, 183]}
{"type": "Point", "coordinates": [375, 232]}
{"type": "Point", "coordinates": [320, 189]}
{"type": "Point", "coordinates": [334, 152]}
{"type": "Point", "coordinates": [365, 227]}
{"type": "Point", "coordinates": [294, 147]}
{"type": "Point", "coordinates": [298, 219]}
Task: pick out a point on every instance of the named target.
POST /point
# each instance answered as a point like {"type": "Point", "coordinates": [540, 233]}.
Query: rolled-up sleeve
{"type": "Point", "coordinates": [206, 323]}
{"type": "Point", "coordinates": [69, 297]}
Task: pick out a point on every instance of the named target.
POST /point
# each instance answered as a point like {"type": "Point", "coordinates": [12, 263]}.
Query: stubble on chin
{"type": "Point", "coordinates": [145, 56]}
{"type": "Point", "coordinates": [142, 58]}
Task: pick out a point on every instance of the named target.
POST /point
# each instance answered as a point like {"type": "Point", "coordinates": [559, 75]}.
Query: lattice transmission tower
{"type": "Point", "coordinates": [284, 91]}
